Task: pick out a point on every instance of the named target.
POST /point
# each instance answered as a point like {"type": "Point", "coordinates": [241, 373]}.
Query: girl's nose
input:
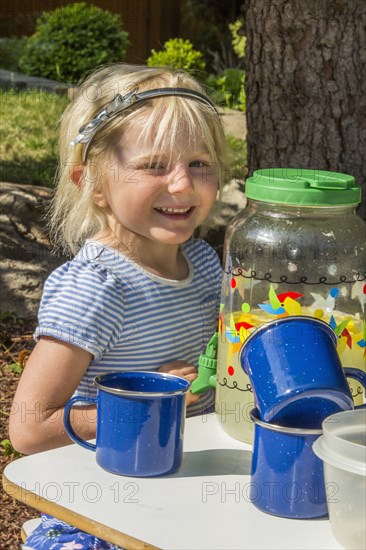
{"type": "Point", "coordinates": [180, 180]}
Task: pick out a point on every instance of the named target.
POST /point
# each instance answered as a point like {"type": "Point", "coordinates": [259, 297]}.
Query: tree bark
{"type": "Point", "coordinates": [306, 85]}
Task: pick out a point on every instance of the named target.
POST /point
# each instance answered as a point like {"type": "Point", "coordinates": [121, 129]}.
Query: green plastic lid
{"type": "Point", "coordinates": [302, 187]}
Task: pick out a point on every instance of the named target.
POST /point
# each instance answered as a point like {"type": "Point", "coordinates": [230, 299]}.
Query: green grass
{"type": "Point", "coordinates": [29, 135]}
{"type": "Point", "coordinates": [29, 138]}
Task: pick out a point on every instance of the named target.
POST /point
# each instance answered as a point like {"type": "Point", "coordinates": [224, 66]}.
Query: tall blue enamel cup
{"type": "Point", "coordinates": [287, 477]}
{"type": "Point", "coordinates": [296, 373]}
{"type": "Point", "coordinates": [140, 422]}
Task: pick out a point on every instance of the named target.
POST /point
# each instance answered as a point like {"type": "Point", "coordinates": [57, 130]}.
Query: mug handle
{"type": "Point", "coordinates": [358, 375]}
{"type": "Point", "coordinates": [67, 423]}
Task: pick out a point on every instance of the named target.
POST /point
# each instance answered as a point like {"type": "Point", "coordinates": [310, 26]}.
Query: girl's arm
{"type": "Point", "coordinates": [50, 377]}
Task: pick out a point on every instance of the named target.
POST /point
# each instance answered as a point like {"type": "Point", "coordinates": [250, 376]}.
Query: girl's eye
{"type": "Point", "coordinates": [153, 167]}
{"type": "Point", "coordinates": [204, 167]}
{"type": "Point", "coordinates": [199, 164]}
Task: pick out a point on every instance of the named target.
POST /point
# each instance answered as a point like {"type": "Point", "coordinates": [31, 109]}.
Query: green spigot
{"type": "Point", "coordinates": [207, 366]}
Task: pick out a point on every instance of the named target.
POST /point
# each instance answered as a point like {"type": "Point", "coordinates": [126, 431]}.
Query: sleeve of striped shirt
{"type": "Point", "coordinates": [82, 304]}
{"type": "Point", "coordinates": [211, 268]}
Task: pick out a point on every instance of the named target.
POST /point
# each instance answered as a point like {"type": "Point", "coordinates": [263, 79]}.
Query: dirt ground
{"type": "Point", "coordinates": [16, 342]}
{"type": "Point", "coordinates": [234, 123]}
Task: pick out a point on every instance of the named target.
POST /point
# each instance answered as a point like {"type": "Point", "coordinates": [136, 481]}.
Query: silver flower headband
{"type": "Point", "coordinates": [122, 102]}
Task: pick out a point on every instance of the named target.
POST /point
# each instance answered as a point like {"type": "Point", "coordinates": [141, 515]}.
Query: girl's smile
{"type": "Point", "coordinates": [181, 213]}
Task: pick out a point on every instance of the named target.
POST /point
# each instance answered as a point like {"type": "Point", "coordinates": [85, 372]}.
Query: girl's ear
{"type": "Point", "coordinates": [100, 200]}
{"type": "Point", "coordinates": [77, 173]}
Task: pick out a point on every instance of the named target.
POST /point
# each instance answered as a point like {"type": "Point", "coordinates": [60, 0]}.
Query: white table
{"type": "Point", "coordinates": [203, 506]}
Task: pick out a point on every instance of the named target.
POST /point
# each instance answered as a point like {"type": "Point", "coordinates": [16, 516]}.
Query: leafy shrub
{"type": "Point", "coordinates": [11, 50]}
{"type": "Point", "coordinates": [238, 37]}
{"type": "Point", "coordinates": [228, 88]}
{"type": "Point", "coordinates": [177, 54]}
{"type": "Point", "coordinates": [71, 40]}
{"type": "Point", "coordinates": [207, 21]}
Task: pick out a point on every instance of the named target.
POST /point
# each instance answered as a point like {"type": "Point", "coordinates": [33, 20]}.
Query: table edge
{"type": "Point", "coordinates": [73, 518]}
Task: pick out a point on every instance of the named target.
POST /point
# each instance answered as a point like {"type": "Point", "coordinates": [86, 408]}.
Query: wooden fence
{"type": "Point", "coordinates": [149, 22]}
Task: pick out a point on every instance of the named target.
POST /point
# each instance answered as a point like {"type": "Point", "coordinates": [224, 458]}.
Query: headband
{"type": "Point", "coordinates": [122, 102]}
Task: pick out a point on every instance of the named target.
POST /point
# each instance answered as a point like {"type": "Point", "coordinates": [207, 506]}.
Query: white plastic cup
{"type": "Point", "coordinates": [342, 447]}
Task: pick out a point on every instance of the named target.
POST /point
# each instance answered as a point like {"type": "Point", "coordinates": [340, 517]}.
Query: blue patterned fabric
{"type": "Point", "coordinates": [54, 534]}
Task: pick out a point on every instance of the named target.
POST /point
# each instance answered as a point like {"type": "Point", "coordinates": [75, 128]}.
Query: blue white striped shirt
{"type": "Point", "coordinates": [128, 318]}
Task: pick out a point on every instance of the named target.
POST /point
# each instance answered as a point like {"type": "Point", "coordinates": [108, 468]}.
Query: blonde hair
{"type": "Point", "coordinates": [74, 217]}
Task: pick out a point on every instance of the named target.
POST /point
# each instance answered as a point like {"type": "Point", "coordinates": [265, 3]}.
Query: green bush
{"type": "Point", "coordinates": [71, 40]}
{"type": "Point", "coordinates": [11, 50]}
{"type": "Point", "coordinates": [228, 88]}
{"type": "Point", "coordinates": [178, 54]}
{"type": "Point", "coordinates": [238, 37]}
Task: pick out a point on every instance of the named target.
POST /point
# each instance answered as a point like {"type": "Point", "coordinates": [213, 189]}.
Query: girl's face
{"type": "Point", "coordinates": [163, 198]}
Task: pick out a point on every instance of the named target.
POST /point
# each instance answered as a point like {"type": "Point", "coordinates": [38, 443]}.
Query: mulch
{"type": "Point", "coordinates": [16, 342]}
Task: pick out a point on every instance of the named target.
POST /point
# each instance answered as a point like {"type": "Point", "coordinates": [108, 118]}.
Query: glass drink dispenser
{"type": "Point", "coordinates": [298, 248]}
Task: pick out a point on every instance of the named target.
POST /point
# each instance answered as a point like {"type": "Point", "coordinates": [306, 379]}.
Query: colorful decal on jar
{"type": "Point", "coordinates": [236, 327]}
{"type": "Point", "coordinates": [284, 303]}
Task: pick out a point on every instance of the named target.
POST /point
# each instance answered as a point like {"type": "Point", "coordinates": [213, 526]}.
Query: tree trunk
{"type": "Point", "coordinates": [306, 85]}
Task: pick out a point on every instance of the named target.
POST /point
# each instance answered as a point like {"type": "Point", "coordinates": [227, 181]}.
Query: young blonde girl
{"type": "Point", "coordinates": [141, 161]}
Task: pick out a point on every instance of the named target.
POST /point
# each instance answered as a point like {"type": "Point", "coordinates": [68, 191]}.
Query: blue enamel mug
{"type": "Point", "coordinates": [287, 477]}
{"type": "Point", "coordinates": [140, 422]}
{"type": "Point", "coordinates": [296, 373]}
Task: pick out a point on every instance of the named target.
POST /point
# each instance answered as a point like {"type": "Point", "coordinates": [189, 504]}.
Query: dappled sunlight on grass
{"type": "Point", "coordinates": [29, 135]}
